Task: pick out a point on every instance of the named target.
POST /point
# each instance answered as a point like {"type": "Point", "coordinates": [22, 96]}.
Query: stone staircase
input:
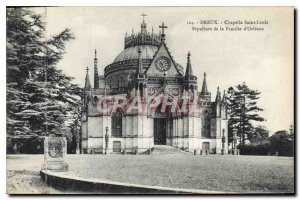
{"type": "Point", "coordinates": [165, 149]}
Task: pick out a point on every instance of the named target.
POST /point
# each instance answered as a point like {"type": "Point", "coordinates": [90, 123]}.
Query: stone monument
{"type": "Point", "coordinates": [55, 149]}
{"type": "Point", "coordinates": [235, 150]}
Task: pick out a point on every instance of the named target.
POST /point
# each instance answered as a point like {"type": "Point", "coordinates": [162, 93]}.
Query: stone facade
{"type": "Point", "coordinates": [146, 69]}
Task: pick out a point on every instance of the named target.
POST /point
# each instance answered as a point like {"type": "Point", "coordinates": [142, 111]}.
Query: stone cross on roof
{"type": "Point", "coordinates": [143, 15]}
{"type": "Point", "coordinates": [163, 28]}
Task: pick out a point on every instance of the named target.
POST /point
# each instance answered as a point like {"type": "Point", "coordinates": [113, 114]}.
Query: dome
{"type": "Point", "coordinates": [131, 53]}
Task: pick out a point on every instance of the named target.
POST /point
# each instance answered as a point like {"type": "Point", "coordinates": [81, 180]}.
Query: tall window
{"type": "Point", "coordinates": [116, 123]}
{"type": "Point", "coordinates": [122, 82]}
{"type": "Point", "coordinates": [110, 82]}
{"type": "Point", "coordinates": [205, 124]}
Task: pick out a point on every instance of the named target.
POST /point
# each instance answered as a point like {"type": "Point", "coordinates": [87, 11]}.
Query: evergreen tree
{"type": "Point", "coordinates": [40, 98]}
{"type": "Point", "coordinates": [242, 110]}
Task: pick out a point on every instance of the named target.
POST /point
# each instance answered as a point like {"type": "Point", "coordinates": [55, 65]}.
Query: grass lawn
{"type": "Point", "coordinates": [244, 174]}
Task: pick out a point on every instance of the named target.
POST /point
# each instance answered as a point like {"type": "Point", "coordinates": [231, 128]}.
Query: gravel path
{"type": "Point", "coordinates": [23, 175]}
{"type": "Point", "coordinates": [212, 172]}
{"type": "Point", "coordinates": [27, 182]}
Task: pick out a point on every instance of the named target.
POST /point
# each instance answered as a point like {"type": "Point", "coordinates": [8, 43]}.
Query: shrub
{"type": "Point", "coordinates": [32, 145]}
{"type": "Point", "coordinates": [282, 144]}
{"type": "Point", "coordinates": [261, 147]}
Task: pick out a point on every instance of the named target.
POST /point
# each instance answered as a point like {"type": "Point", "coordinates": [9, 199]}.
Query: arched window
{"type": "Point", "coordinates": [122, 82]}
{"type": "Point", "coordinates": [110, 82]}
{"type": "Point", "coordinates": [115, 82]}
{"type": "Point", "coordinates": [205, 124]}
{"type": "Point", "coordinates": [116, 123]}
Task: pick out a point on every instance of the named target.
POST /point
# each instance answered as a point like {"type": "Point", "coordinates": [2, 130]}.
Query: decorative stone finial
{"type": "Point", "coordinates": [189, 55]}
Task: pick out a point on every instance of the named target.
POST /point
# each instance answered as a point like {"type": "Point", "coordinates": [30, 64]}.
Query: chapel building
{"type": "Point", "coordinates": [146, 69]}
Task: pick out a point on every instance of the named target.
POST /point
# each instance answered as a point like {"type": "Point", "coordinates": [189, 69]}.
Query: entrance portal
{"type": "Point", "coordinates": [159, 131]}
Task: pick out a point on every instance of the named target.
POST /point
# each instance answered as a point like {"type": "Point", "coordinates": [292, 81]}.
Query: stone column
{"type": "Point", "coordinates": [106, 140]}
{"type": "Point", "coordinates": [124, 133]}
{"type": "Point", "coordinates": [235, 151]}
{"type": "Point", "coordinates": [77, 138]}
{"type": "Point", "coordinates": [223, 142]}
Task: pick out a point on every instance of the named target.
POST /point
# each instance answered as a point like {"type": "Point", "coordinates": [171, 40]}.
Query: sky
{"type": "Point", "coordinates": [262, 59]}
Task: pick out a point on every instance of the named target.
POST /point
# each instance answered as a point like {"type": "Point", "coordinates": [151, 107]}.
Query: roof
{"type": "Point", "coordinates": [131, 53]}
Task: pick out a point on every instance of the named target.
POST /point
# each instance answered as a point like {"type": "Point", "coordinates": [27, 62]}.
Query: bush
{"type": "Point", "coordinates": [32, 145]}
{"type": "Point", "coordinates": [278, 144]}
{"type": "Point", "coordinates": [261, 147]}
{"type": "Point", "coordinates": [282, 144]}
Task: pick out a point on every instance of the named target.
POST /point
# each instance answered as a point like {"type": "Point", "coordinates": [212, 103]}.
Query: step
{"type": "Point", "coordinates": [165, 149]}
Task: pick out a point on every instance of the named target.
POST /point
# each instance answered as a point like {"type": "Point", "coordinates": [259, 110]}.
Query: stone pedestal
{"type": "Point", "coordinates": [223, 142]}
{"type": "Point", "coordinates": [55, 149]}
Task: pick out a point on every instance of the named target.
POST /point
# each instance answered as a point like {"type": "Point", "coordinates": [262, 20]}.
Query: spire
{"type": "Point", "coordinates": [204, 85]}
{"type": "Point", "coordinates": [218, 97]}
{"type": "Point", "coordinates": [189, 71]}
{"type": "Point", "coordinates": [224, 97]}
{"type": "Point", "coordinates": [96, 76]}
{"type": "Point", "coordinates": [87, 84]}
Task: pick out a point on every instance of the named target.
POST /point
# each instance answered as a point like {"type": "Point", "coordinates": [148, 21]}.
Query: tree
{"type": "Point", "coordinates": [259, 132]}
{"type": "Point", "coordinates": [282, 144]}
{"type": "Point", "coordinates": [291, 132]}
{"type": "Point", "coordinates": [40, 98]}
{"type": "Point", "coordinates": [242, 110]}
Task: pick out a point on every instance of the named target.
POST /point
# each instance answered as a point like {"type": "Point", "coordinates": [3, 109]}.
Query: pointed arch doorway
{"type": "Point", "coordinates": [160, 133]}
{"type": "Point", "coordinates": [163, 121]}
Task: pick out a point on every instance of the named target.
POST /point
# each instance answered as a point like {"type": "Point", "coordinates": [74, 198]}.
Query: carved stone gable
{"type": "Point", "coordinates": [163, 62]}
